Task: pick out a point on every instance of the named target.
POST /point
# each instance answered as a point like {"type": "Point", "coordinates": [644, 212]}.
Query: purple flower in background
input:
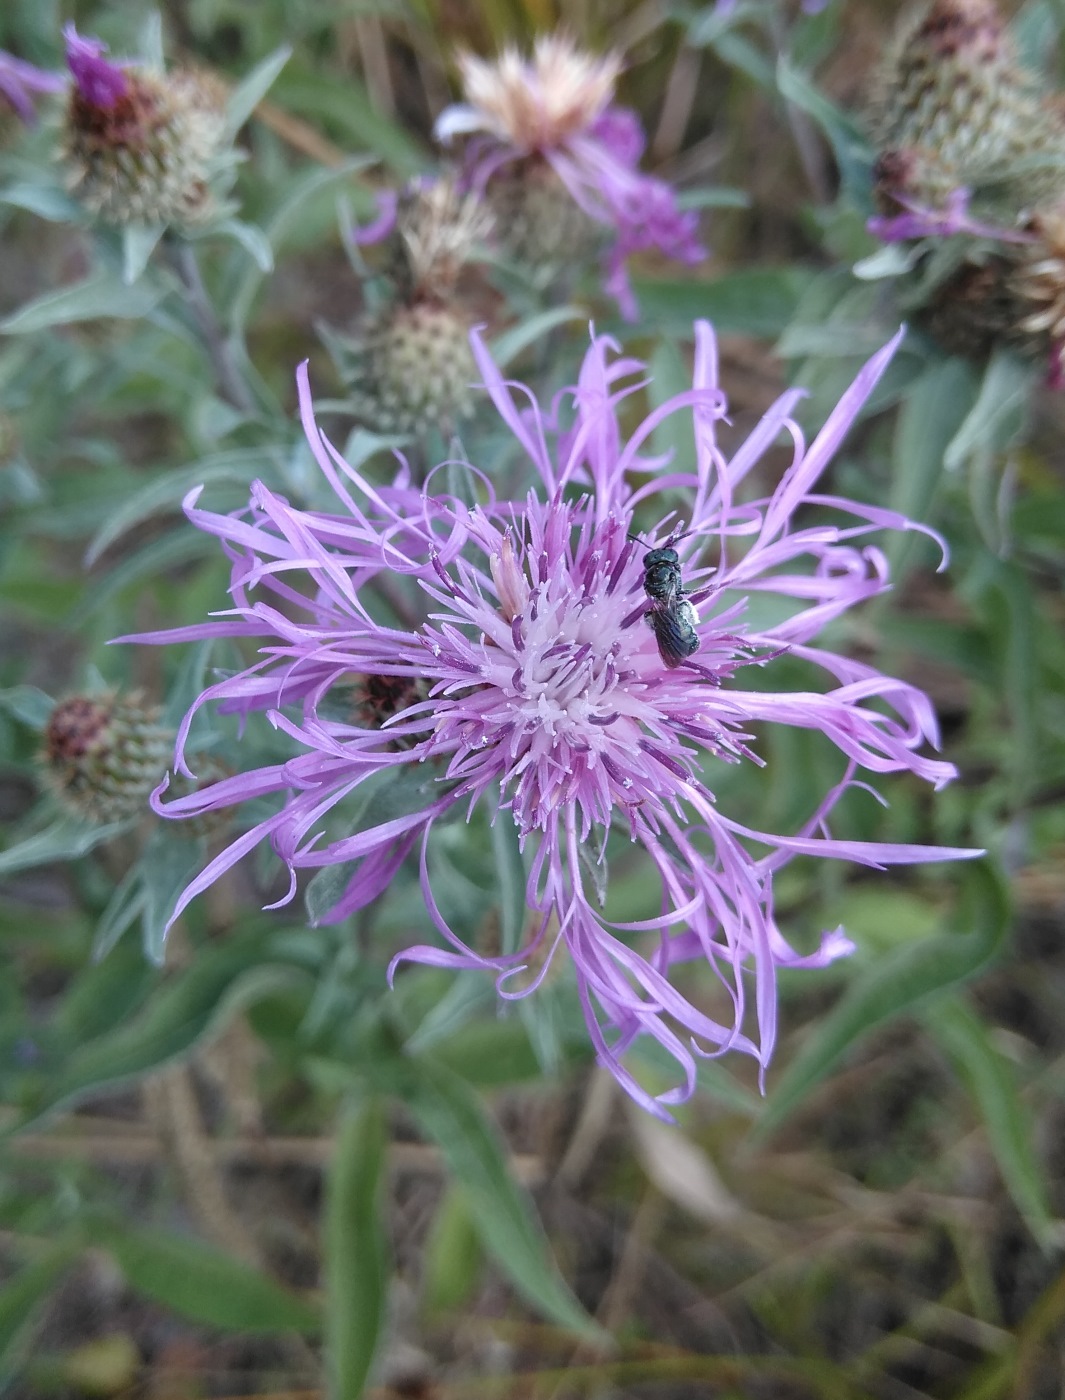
{"type": "Point", "coordinates": [918, 221]}
{"type": "Point", "coordinates": [556, 107]}
{"type": "Point", "coordinates": [19, 81]}
{"type": "Point", "coordinates": [519, 671]}
{"type": "Point", "coordinates": [99, 82]}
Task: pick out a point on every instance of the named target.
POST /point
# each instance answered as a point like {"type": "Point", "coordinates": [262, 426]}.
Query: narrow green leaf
{"type": "Point", "coordinates": [66, 839]}
{"type": "Point", "coordinates": [169, 861]}
{"type": "Point", "coordinates": [188, 1009]}
{"type": "Point", "coordinates": [510, 872]}
{"type": "Point", "coordinates": [755, 301]}
{"type": "Point", "coordinates": [345, 106]}
{"type": "Point", "coordinates": [102, 294]}
{"type": "Point", "coordinates": [46, 201]}
{"type": "Point", "coordinates": [995, 420]}
{"type": "Point", "coordinates": [139, 242]}
{"type": "Point", "coordinates": [512, 342]}
{"type": "Point", "coordinates": [932, 412]}
{"type": "Point", "coordinates": [453, 1256]}
{"type": "Point", "coordinates": [993, 1085]}
{"type": "Point", "coordinates": [252, 239]}
{"type": "Point", "coordinates": [124, 906]}
{"type": "Point", "coordinates": [285, 218]}
{"type": "Point", "coordinates": [165, 492]}
{"type": "Point", "coordinates": [244, 99]}
{"type": "Point", "coordinates": [356, 1250]}
{"type": "Point", "coordinates": [894, 985]}
{"type": "Point", "coordinates": [854, 155]}
{"type": "Point", "coordinates": [28, 704]}
{"type": "Point", "coordinates": [451, 1115]}
{"type": "Point", "coordinates": [203, 1284]}
{"type": "Point", "coordinates": [20, 1301]}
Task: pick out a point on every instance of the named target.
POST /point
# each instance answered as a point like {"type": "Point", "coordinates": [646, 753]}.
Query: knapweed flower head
{"type": "Point", "coordinates": [519, 674]}
{"type": "Point", "coordinates": [547, 138]}
{"type": "Point", "coordinates": [408, 366]}
{"type": "Point", "coordinates": [21, 82]}
{"type": "Point", "coordinates": [971, 165]}
{"type": "Point", "coordinates": [139, 145]}
{"type": "Point", "coordinates": [103, 753]}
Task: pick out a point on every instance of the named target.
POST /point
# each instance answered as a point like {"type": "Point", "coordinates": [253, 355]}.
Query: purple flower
{"type": "Point", "coordinates": [99, 82]}
{"type": "Point", "coordinates": [917, 221]}
{"type": "Point", "coordinates": [20, 80]}
{"type": "Point", "coordinates": [557, 106]}
{"type": "Point", "coordinates": [507, 661]}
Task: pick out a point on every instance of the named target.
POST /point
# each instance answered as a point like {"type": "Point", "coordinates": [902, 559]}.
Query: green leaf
{"type": "Point", "coordinates": [169, 861]}
{"type": "Point", "coordinates": [100, 295]}
{"type": "Point", "coordinates": [67, 838]}
{"type": "Point", "coordinates": [932, 412]}
{"type": "Point", "coordinates": [450, 1114]}
{"type": "Point", "coordinates": [200, 1283]}
{"type": "Point", "coordinates": [46, 201]}
{"type": "Point", "coordinates": [894, 985]}
{"type": "Point", "coordinates": [244, 99]}
{"type": "Point", "coordinates": [125, 905]}
{"type": "Point", "coordinates": [138, 244]}
{"type": "Point", "coordinates": [512, 342]}
{"type": "Point", "coordinates": [192, 1006]}
{"type": "Point", "coordinates": [451, 1267]}
{"type": "Point", "coordinates": [32, 707]}
{"type": "Point", "coordinates": [759, 301]}
{"type": "Point", "coordinates": [21, 1299]}
{"type": "Point", "coordinates": [356, 1250]}
{"type": "Point", "coordinates": [280, 224]}
{"type": "Point", "coordinates": [997, 417]}
{"type": "Point", "coordinates": [993, 1084]}
{"type": "Point", "coordinates": [854, 155]}
{"type": "Point", "coordinates": [165, 492]}
{"type": "Point", "coordinates": [345, 106]}
{"type": "Point", "coordinates": [511, 874]}
{"type": "Point", "coordinates": [252, 239]}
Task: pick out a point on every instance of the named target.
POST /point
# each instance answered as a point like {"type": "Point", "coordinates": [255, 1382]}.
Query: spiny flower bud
{"type": "Point", "coordinates": [104, 754]}
{"type": "Point", "coordinates": [139, 145]}
{"type": "Point", "coordinates": [909, 176]}
{"type": "Point", "coordinates": [415, 368]}
{"type": "Point", "coordinates": [539, 223]}
{"type": "Point", "coordinates": [954, 88]}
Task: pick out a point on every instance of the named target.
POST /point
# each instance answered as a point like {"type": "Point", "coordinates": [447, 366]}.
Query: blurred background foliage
{"type": "Point", "coordinates": [249, 1168]}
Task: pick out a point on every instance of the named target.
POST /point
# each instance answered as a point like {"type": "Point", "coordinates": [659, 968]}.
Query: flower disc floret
{"type": "Point", "coordinates": [522, 677]}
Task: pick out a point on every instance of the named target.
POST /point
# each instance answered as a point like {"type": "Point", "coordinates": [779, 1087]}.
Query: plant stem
{"type": "Point", "coordinates": [230, 381]}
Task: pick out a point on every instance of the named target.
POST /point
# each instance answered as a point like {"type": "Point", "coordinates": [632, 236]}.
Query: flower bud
{"type": "Point", "coordinates": [104, 754]}
{"type": "Point", "coordinates": [954, 88]}
{"type": "Point", "coordinates": [415, 369]}
{"type": "Point", "coordinates": [138, 144]}
{"type": "Point", "coordinates": [539, 224]}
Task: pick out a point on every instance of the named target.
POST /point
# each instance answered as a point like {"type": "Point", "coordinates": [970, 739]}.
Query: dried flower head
{"type": "Point", "coordinates": [430, 232]}
{"type": "Point", "coordinates": [1038, 287]}
{"type": "Point", "coordinates": [104, 753]}
{"type": "Point", "coordinates": [548, 122]}
{"type": "Point", "coordinates": [139, 145]}
{"type": "Point", "coordinates": [536, 103]}
{"type": "Point", "coordinates": [551, 703]}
